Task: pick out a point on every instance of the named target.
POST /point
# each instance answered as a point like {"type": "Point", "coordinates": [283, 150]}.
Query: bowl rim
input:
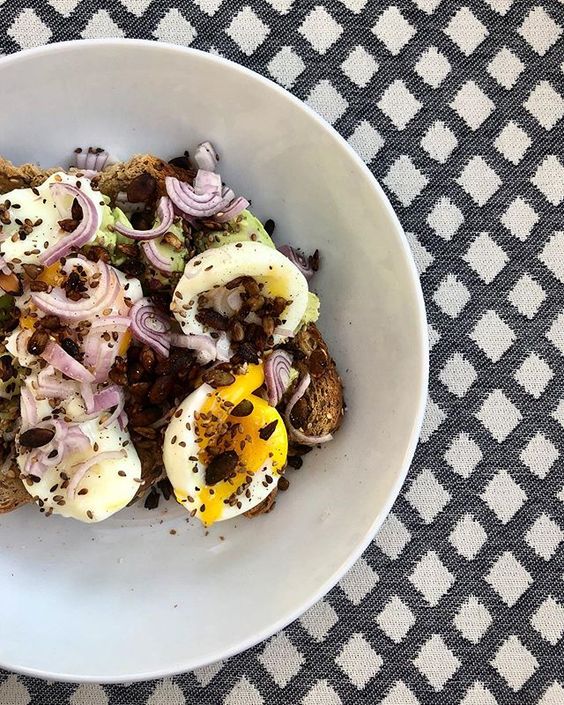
{"type": "Point", "coordinates": [420, 393]}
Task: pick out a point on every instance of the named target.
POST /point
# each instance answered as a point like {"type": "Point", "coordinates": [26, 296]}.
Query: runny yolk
{"type": "Point", "coordinates": [254, 452]}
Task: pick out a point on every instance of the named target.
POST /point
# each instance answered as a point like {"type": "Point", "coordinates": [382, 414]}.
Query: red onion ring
{"type": "Point", "coordinates": [165, 216]}
{"type": "Point", "coordinates": [233, 209]}
{"type": "Point", "coordinates": [80, 470]}
{"type": "Point", "coordinates": [298, 259]}
{"type": "Point", "coordinates": [150, 326]}
{"type": "Point", "coordinates": [28, 408]}
{"type": "Point", "coordinates": [155, 258]}
{"type": "Point", "coordinates": [87, 393]}
{"type": "Point", "coordinates": [85, 230]}
{"type": "Point", "coordinates": [204, 345]}
{"type": "Point", "coordinates": [295, 433]}
{"type": "Point", "coordinates": [65, 363]}
{"type": "Point", "coordinates": [203, 199]}
{"type": "Point", "coordinates": [206, 157]}
{"type": "Point", "coordinates": [103, 296]}
{"type": "Point", "coordinates": [277, 367]}
{"type": "Point", "coordinates": [52, 388]}
{"type": "Point", "coordinates": [111, 396]}
{"type": "Point", "coordinates": [91, 158]}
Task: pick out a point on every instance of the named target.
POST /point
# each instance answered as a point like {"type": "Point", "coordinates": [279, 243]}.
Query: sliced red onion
{"type": "Point", "coordinates": [150, 326]}
{"type": "Point", "coordinates": [294, 432]}
{"type": "Point", "coordinates": [202, 200]}
{"type": "Point", "coordinates": [108, 398]}
{"type": "Point", "coordinates": [282, 332]}
{"type": "Point", "coordinates": [79, 471]}
{"type": "Point", "coordinates": [62, 361]}
{"type": "Point", "coordinates": [277, 369]}
{"type": "Point", "coordinates": [233, 209]}
{"type": "Point", "coordinates": [99, 353]}
{"type": "Point", "coordinates": [84, 231]}
{"type": "Point", "coordinates": [204, 345]}
{"type": "Point", "coordinates": [297, 258]}
{"type": "Point", "coordinates": [163, 264]}
{"type": "Point", "coordinates": [28, 408]}
{"type": "Point", "coordinates": [165, 216]}
{"type": "Point", "coordinates": [87, 393]}
{"type": "Point", "coordinates": [206, 157]}
{"type": "Point", "coordinates": [52, 387]}
{"type": "Point", "coordinates": [4, 266]}
{"type": "Point", "coordinates": [91, 158]}
{"type": "Point", "coordinates": [99, 298]}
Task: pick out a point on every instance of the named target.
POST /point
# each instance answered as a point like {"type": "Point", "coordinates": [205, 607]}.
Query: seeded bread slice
{"type": "Point", "coordinates": [111, 181]}
{"type": "Point", "coordinates": [321, 409]}
{"type": "Point", "coordinates": [23, 176]}
{"type": "Point", "coordinates": [12, 492]}
{"type": "Point", "coordinates": [117, 177]}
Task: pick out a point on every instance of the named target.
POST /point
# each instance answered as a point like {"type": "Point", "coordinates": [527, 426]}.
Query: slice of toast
{"type": "Point", "coordinates": [321, 408]}
{"type": "Point", "coordinates": [12, 492]}
{"type": "Point", "coordinates": [111, 181]}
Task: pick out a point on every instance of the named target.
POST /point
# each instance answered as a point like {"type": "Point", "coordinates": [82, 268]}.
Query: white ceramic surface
{"type": "Point", "coordinates": [126, 599]}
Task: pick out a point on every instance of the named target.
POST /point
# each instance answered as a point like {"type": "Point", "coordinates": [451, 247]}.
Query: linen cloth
{"type": "Point", "coordinates": [457, 107]}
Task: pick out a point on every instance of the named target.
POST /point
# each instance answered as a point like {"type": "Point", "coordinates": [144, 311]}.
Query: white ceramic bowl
{"type": "Point", "coordinates": [125, 599]}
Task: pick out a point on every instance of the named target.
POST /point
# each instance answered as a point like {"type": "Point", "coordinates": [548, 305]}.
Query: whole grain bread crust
{"type": "Point", "coordinates": [111, 181]}
{"type": "Point", "coordinates": [13, 494]}
{"type": "Point", "coordinates": [322, 406]}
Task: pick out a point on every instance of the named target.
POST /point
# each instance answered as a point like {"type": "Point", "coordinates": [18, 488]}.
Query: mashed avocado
{"type": "Point", "coordinates": [240, 229]}
{"type": "Point", "coordinates": [311, 313]}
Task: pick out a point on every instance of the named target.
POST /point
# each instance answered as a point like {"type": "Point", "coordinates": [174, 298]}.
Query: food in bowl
{"type": "Point", "coordinates": [155, 342]}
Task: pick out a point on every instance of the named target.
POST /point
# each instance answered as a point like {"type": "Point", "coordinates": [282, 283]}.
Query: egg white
{"type": "Point", "coordinates": [40, 205]}
{"type": "Point", "coordinates": [218, 266]}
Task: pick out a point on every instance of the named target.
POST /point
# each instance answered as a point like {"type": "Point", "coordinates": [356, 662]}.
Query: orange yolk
{"type": "Point", "coordinates": [253, 451]}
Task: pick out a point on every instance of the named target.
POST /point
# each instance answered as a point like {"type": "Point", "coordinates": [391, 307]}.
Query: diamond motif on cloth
{"type": "Point", "coordinates": [451, 296]}
{"type": "Point", "coordinates": [499, 415]}
{"type": "Point", "coordinates": [463, 454]}
{"type": "Point", "coordinates": [505, 68]}
{"type": "Point", "coordinates": [544, 536]}
{"type": "Point", "coordinates": [247, 30]}
{"type": "Point", "coordinates": [549, 179]}
{"type": "Point", "coordinates": [399, 104]}
{"type": "Point", "coordinates": [548, 620]}
{"type": "Point", "coordinates": [466, 31]}
{"type": "Point", "coordinates": [281, 659]}
{"type": "Point", "coordinates": [436, 662]}
{"type": "Point", "coordinates": [479, 180]}
{"type": "Point", "coordinates": [472, 104]}
{"type": "Point", "coordinates": [472, 620]}
{"type": "Point", "coordinates": [433, 67]}
{"type": "Point", "coordinates": [468, 537]}
{"type": "Point", "coordinates": [539, 455]}
{"type": "Point", "coordinates": [393, 30]}
{"type": "Point", "coordinates": [326, 100]}
{"type": "Point", "coordinates": [527, 296]}
{"type": "Point", "coordinates": [286, 66]}
{"type": "Point", "coordinates": [533, 375]}
{"type": "Point", "coordinates": [320, 29]}
{"type": "Point", "coordinates": [503, 496]}
{"type": "Point", "coordinates": [358, 582]}
{"type": "Point", "coordinates": [28, 30]}
{"type": "Point", "coordinates": [458, 375]}
{"type": "Point", "coordinates": [319, 620]}
{"type": "Point", "coordinates": [359, 661]}
{"type": "Point", "coordinates": [359, 66]}
{"type": "Point", "coordinates": [514, 663]}
{"type": "Point", "coordinates": [405, 180]}
{"type": "Point", "coordinates": [539, 30]}
{"type": "Point", "coordinates": [366, 141]}
{"type": "Point", "coordinates": [492, 335]}
{"type": "Point", "coordinates": [427, 496]}
{"type": "Point", "coordinates": [396, 619]}
{"type": "Point", "coordinates": [509, 578]}
{"type": "Point", "coordinates": [431, 577]}
{"type": "Point", "coordinates": [512, 142]}
{"type": "Point", "coordinates": [545, 104]}
{"type": "Point", "coordinates": [393, 537]}
{"type": "Point", "coordinates": [439, 141]}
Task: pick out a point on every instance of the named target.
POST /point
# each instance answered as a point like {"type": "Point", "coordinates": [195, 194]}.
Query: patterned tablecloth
{"type": "Point", "coordinates": [457, 107]}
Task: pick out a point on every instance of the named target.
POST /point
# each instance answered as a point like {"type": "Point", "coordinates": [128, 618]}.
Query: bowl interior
{"type": "Point", "coordinates": [127, 599]}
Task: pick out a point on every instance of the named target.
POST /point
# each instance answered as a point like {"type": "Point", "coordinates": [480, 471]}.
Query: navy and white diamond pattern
{"type": "Point", "coordinates": [457, 107]}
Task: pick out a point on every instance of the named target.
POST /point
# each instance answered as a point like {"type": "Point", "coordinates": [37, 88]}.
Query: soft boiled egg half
{"type": "Point", "coordinates": [225, 448]}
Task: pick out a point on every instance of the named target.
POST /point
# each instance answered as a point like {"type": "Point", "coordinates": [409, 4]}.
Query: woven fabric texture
{"type": "Point", "coordinates": [457, 107]}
